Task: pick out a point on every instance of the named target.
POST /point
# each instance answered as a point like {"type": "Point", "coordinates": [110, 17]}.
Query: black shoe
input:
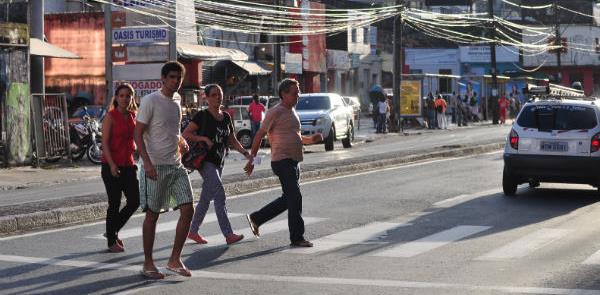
{"type": "Point", "coordinates": [302, 243]}
{"type": "Point", "coordinates": [253, 226]}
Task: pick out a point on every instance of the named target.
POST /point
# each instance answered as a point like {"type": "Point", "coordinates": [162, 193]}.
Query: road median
{"type": "Point", "coordinates": [37, 216]}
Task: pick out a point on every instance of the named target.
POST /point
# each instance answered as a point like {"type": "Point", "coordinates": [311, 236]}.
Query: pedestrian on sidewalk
{"type": "Point", "coordinates": [503, 104]}
{"type": "Point", "coordinates": [382, 110]}
{"type": "Point", "coordinates": [440, 108]}
{"type": "Point", "coordinates": [164, 182]}
{"type": "Point", "coordinates": [119, 172]}
{"type": "Point", "coordinates": [283, 127]}
{"type": "Point", "coordinates": [256, 111]}
{"type": "Point", "coordinates": [215, 128]}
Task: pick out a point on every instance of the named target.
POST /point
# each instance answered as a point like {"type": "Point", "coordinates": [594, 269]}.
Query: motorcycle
{"type": "Point", "coordinates": [86, 139]}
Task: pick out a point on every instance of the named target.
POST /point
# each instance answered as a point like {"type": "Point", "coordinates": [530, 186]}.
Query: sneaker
{"type": "Point", "coordinates": [233, 238]}
{"type": "Point", "coordinates": [301, 243]}
{"type": "Point", "coordinates": [197, 238]}
{"type": "Point", "coordinates": [253, 226]}
{"type": "Point", "coordinates": [116, 248]}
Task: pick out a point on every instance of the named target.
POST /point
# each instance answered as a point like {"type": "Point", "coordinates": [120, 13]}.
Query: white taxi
{"type": "Point", "coordinates": [553, 140]}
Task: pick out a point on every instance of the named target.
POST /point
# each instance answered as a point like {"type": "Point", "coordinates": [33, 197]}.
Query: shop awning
{"type": "Point", "coordinates": [209, 52]}
{"type": "Point", "coordinates": [252, 68]}
{"type": "Point", "coordinates": [45, 49]}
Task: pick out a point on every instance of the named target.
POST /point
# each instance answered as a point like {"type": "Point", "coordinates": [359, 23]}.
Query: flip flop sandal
{"type": "Point", "coordinates": [182, 271]}
{"type": "Point", "coordinates": [152, 274]}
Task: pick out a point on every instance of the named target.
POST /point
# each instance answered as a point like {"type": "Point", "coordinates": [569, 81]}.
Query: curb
{"type": "Point", "coordinates": [87, 213]}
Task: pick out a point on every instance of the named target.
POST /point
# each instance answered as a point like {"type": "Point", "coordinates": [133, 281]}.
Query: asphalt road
{"type": "Point", "coordinates": [314, 154]}
{"type": "Point", "coordinates": [437, 227]}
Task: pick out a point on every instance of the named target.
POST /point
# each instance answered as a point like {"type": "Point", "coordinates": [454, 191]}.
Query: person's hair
{"type": "Point", "coordinates": [172, 66]}
{"type": "Point", "coordinates": [208, 88]}
{"type": "Point", "coordinates": [255, 97]}
{"type": "Point", "coordinates": [285, 85]}
{"type": "Point", "coordinates": [114, 103]}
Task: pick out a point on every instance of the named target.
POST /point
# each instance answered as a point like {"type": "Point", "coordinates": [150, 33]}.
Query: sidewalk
{"type": "Point", "coordinates": [37, 198]}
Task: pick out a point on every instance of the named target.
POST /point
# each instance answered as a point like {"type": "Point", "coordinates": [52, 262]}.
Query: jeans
{"type": "Point", "coordinates": [126, 183]}
{"type": "Point", "coordinates": [288, 172]}
{"type": "Point", "coordinates": [212, 189]}
{"type": "Point", "coordinates": [254, 126]}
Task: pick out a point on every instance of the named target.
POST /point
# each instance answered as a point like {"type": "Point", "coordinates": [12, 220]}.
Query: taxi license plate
{"type": "Point", "coordinates": [554, 146]}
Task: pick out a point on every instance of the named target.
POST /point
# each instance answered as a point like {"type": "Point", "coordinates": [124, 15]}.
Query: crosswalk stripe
{"type": "Point", "coordinates": [161, 227]}
{"type": "Point", "coordinates": [265, 229]}
{"type": "Point", "coordinates": [525, 245]}
{"type": "Point", "coordinates": [594, 259]}
{"type": "Point", "coordinates": [369, 233]}
{"type": "Point", "coordinates": [431, 242]}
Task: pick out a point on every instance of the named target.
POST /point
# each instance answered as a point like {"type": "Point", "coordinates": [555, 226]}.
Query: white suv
{"type": "Point", "coordinates": [553, 140]}
{"type": "Point", "coordinates": [328, 114]}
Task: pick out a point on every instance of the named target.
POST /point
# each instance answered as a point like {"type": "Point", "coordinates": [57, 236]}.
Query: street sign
{"type": "Point", "coordinates": [151, 53]}
{"type": "Point", "coordinates": [142, 87]}
{"type": "Point", "coordinates": [140, 35]}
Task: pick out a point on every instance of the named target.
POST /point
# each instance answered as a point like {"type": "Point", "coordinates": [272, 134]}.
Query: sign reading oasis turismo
{"type": "Point", "coordinates": [140, 35]}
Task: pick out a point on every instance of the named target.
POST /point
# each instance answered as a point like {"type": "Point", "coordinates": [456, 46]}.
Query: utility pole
{"type": "Point", "coordinates": [108, 53]}
{"type": "Point", "coordinates": [557, 42]}
{"type": "Point", "coordinates": [397, 64]}
{"type": "Point", "coordinates": [494, 95]}
{"type": "Point", "coordinates": [276, 74]}
{"type": "Point", "coordinates": [37, 78]}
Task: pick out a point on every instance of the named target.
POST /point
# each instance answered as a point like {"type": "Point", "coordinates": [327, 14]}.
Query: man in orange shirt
{"type": "Point", "coordinates": [283, 127]}
{"type": "Point", "coordinates": [256, 111]}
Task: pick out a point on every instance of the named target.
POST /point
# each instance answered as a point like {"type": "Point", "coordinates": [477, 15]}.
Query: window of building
{"type": "Point", "coordinates": [444, 83]}
{"type": "Point", "coordinates": [365, 35]}
{"type": "Point", "coordinates": [353, 36]}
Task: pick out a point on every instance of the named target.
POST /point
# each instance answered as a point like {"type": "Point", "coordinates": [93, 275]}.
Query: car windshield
{"type": "Point", "coordinates": [557, 117]}
{"type": "Point", "coordinates": [313, 103]}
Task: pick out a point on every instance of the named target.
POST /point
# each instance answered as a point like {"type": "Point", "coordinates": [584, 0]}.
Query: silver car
{"type": "Point", "coordinates": [328, 114]}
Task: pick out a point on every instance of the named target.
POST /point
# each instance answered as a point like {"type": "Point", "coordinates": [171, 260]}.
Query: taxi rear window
{"type": "Point", "coordinates": [557, 117]}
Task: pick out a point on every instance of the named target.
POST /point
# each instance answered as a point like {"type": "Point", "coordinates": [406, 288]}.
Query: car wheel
{"type": "Point", "coordinates": [245, 139]}
{"type": "Point", "coordinates": [329, 140]}
{"type": "Point", "coordinates": [509, 184]}
{"type": "Point", "coordinates": [347, 141]}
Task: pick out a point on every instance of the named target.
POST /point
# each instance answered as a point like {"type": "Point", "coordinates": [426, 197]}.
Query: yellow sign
{"type": "Point", "coordinates": [410, 98]}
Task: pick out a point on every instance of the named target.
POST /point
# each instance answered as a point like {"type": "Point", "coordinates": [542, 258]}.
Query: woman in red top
{"type": "Point", "coordinates": [503, 104]}
{"type": "Point", "coordinates": [119, 171]}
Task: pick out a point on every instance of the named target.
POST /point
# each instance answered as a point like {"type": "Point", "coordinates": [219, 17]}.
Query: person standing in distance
{"type": "Point", "coordinates": [164, 182]}
{"type": "Point", "coordinates": [119, 172]}
{"type": "Point", "coordinates": [282, 125]}
{"type": "Point", "coordinates": [256, 111]}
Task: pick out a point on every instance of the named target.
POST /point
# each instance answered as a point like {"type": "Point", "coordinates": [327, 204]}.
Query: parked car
{"type": "Point", "coordinates": [94, 111]}
{"type": "Point", "coordinates": [553, 140]}
{"type": "Point", "coordinates": [241, 122]}
{"type": "Point", "coordinates": [326, 113]}
{"type": "Point", "coordinates": [353, 102]}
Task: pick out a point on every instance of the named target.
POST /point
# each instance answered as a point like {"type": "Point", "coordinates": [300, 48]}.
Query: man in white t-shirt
{"type": "Point", "coordinates": [164, 182]}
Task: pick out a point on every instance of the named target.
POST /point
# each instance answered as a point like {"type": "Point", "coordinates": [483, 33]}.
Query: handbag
{"type": "Point", "coordinates": [194, 157]}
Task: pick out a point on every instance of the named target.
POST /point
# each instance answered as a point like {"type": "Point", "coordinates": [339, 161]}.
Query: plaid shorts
{"type": "Point", "coordinates": [171, 189]}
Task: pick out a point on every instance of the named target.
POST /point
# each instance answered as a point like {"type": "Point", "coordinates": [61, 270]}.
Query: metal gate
{"type": "Point", "coordinates": [50, 127]}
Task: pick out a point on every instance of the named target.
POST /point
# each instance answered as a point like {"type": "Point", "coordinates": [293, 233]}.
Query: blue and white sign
{"type": "Point", "coordinates": [140, 35]}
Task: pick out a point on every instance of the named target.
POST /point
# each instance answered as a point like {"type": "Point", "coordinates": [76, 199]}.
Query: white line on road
{"type": "Point", "coordinates": [525, 245]}
{"type": "Point", "coordinates": [199, 274]}
{"type": "Point", "coordinates": [431, 242]}
{"type": "Point", "coordinates": [594, 259]}
{"type": "Point", "coordinates": [161, 227]}
{"type": "Point", "coordinates": [361, 235]}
